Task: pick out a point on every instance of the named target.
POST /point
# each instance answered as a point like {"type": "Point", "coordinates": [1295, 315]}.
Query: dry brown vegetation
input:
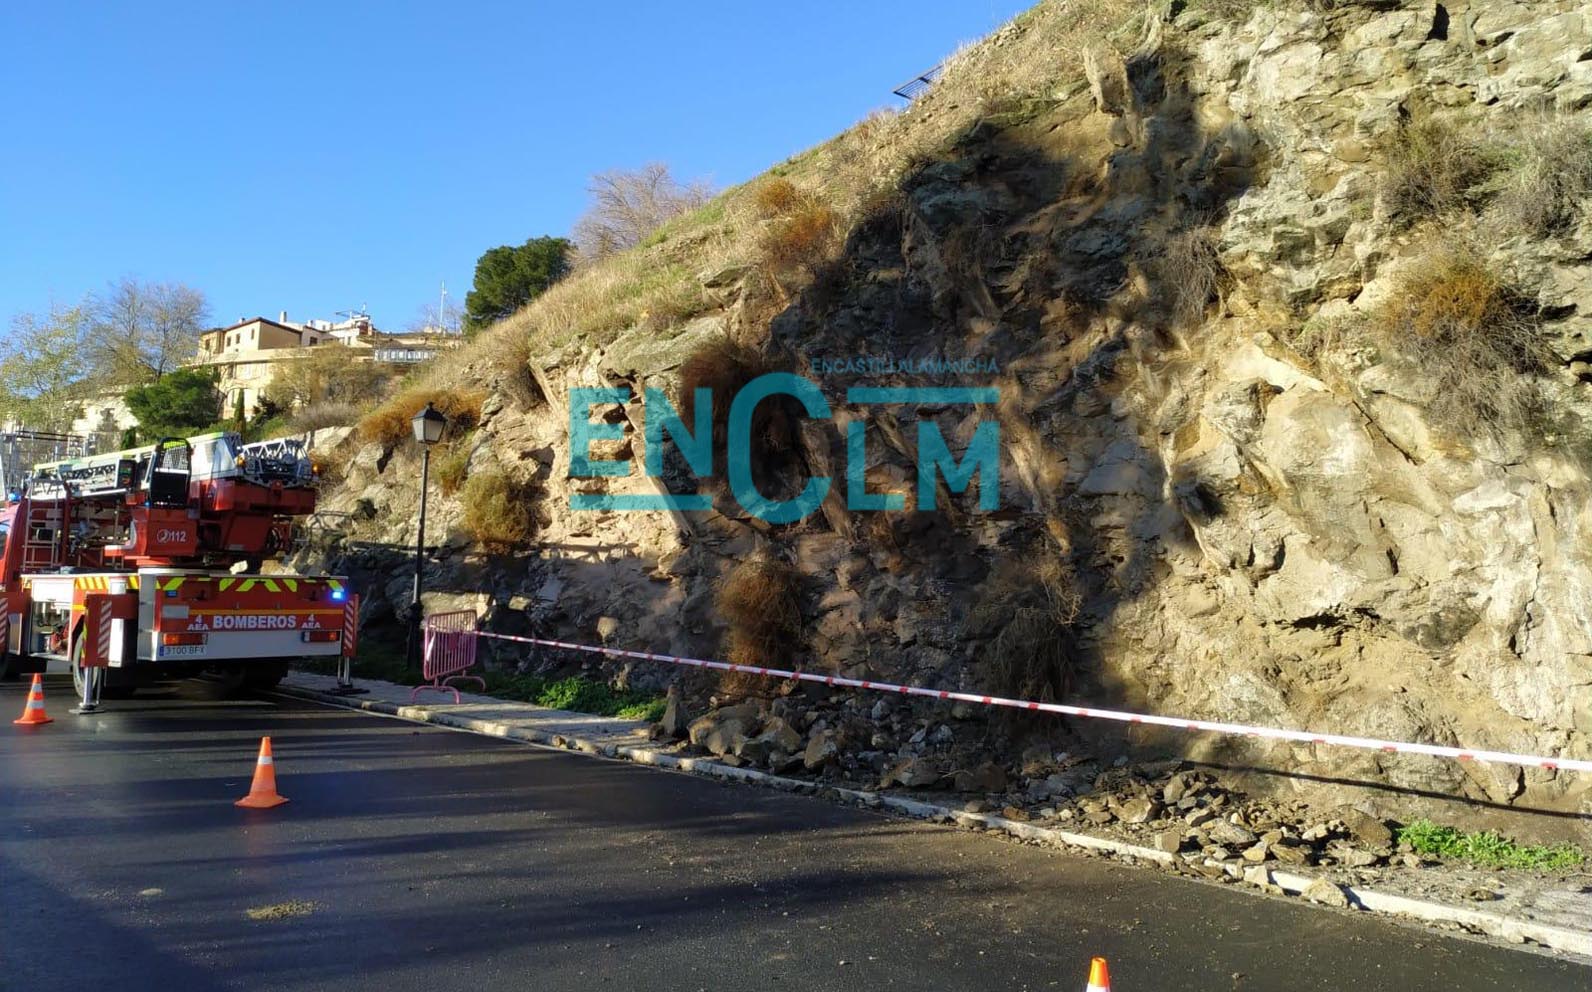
{"type": "Point", "coordinates": [1187, 273]}
{"type": "Point", "coordinates": [1478, 343]}
{"type": "Point", "coordinates": [1435, 166]}
{"type": "Point", "coordinates": [317, 416]}
{"type": "Point", "coordinates": [1548, 184]}
{"type": "Point", "coordinates": [657, 283]}
{"type": "Point", "coordinates": [775, 197]}
{"type": "Point", "coordinates": [799, 240]}
{"type": "Point", "coordinates": [500, 510]}
{"type": "Point", "coordinates": [760, 599]}
{"type": "Point", "coordinates": [1030, 606]}
{"type": "Point", "coordinates": [1534, 178]}
{"type": "Point", "coordinates": [724, 366]}
{"type": "Point", "coordinates": [389, 424]}
{"type": "Point", "coordinates": [628, 205]}
{"type": "Point", "coordinates": [453, 466]}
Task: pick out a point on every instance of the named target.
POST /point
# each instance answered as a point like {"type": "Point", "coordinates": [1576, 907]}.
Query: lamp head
{"type": "Point", "coordinates": [429, 425]}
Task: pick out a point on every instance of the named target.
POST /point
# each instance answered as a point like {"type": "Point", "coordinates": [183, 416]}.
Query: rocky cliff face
{"type": "Point", "coordinates": [1183, 260]}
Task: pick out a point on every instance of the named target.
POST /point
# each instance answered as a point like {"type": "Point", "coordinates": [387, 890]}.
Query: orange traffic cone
{"type": "Point", "coordinates": [262, 794]}
{"type": "Point", "coordinates": [33, 710]}
{"type": "Point", "coordinates": [1099, 976]}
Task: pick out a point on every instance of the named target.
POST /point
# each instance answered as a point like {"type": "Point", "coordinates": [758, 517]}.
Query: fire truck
{"type": "Point", "coordinates": [143, 565]}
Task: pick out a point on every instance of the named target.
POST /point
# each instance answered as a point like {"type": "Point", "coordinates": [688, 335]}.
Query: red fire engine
{"type": "Point", "coordinates": [140, 565]}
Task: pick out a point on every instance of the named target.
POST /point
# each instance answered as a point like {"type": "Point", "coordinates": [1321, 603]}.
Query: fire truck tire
{"type": "Point", "coordinates": [114, 686]}
{"type": "Point", "coordinates": [265, 675]}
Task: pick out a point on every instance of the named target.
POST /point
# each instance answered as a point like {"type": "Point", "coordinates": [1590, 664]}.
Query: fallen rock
{"type": "Point", "coordinates": [1365, 828]}
{"type": "Point", "coordinates": [821, 750]}
{"type": "Point", "coordinates": [1230, 834]}
{"type": "Point", "coordinates": [755, 750]}
{"type": "Point", "coordinates": [1354, 857]}
{"type": "Point", "coordinates": [781, 735]}
{"type": "Point", "coordinates": [784, 761]}
{"type": "Point", "coordinates": [1169, 841]}
{"type": "Point", "coordinates": [1327, 893]}
{"type": "Point", "coordinates": [1292, 852]}
{"type": "Point", "coordinates": [673, 724]}
{"type": "Point", "coordinates": [913, 773]}
{"type": "Point", "coordinates": [1258, 852]}
{"type": "Point", "coordinates": [1317, 833]}
{"type": "Point", "coordinates": [720, 729]}
{"type": "Point", "coordinates": [988, 777]}
{"type": "Point", "coordinates": [1141, 810]}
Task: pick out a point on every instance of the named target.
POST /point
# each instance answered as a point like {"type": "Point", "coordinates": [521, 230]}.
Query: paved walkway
{"type": "Point", "coordinates": [483, 714]}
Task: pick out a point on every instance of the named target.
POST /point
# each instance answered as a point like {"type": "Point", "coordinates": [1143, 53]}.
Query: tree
{"type": "Point", "coordinates": [628, 206]}
{"type": "Point", "coordinates": [507, 278]}
{"type": "Point", "coordinates": [328, 373]}
{"type": "Point", "coordinates": [141, 331]}
{"type": "Point", "coordinates": [180, 403]}
{"type": "Point", "coordinates": [41, 371]}
{"type": "Point", "coordinates": [432, 319]}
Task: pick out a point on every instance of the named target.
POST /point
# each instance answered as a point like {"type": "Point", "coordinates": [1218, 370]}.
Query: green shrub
{"type": "Point", "coordinates": [1487, 848]}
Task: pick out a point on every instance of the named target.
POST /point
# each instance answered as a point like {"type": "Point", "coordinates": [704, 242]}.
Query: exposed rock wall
{"type": "Point", "coordinates": [1256, 535]}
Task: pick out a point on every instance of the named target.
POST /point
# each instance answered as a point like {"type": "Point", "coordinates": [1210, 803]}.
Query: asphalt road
{"type": "Point", "coordinates": [419, 858]}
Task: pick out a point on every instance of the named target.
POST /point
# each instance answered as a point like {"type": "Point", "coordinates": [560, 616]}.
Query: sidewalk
{"type": "Point", "coordinates": [480, 714]}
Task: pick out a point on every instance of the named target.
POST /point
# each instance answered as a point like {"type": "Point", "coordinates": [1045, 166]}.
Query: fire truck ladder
{"type": "Point", "coordinates": [44, 533]}
{"type": "Point", "coordinates": [20, 450]}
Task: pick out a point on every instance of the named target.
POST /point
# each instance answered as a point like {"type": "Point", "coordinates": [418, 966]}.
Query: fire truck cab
{"type": "Point", "coordinates": [142, 565]}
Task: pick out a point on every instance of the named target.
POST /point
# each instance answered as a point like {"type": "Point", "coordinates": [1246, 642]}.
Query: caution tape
{"type": "Point", "coordinates": [1087, 712]}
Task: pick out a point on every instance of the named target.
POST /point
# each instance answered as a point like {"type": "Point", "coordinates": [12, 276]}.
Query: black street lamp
{"type": "Point", "coordinates": [428, 425]}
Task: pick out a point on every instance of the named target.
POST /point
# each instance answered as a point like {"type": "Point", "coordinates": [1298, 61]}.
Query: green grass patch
{"type": "Point", "coordinates": [1487, 848]}
{"type": "Point", "coordinates": [577, 694]}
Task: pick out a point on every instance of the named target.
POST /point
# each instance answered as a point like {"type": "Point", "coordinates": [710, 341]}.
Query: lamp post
{"type": "Point", "coordinates": [428, 425]}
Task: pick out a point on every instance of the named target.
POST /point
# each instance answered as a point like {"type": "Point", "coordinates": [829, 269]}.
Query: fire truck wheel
{"type": "Point", "coordinates": [114, 686]}
{"type": "Point", "coordinates": [265, 675]}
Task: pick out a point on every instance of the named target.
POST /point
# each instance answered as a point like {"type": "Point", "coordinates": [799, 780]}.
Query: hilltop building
{"type": "Point", "coordinates": [246, 355]}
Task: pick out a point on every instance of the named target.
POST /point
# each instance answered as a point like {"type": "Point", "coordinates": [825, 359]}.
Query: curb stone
{"type": "Point", "coordinates": [1510, 929]}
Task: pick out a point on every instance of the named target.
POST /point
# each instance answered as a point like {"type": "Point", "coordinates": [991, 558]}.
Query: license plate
{"type": "Point", "coordinates": [180, 650]}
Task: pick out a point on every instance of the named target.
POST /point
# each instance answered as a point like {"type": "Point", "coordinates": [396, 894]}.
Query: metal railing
{"type": "Point", "coordinates": [918, 85]}
{"type": "Point", "coordinates": [447, 650]}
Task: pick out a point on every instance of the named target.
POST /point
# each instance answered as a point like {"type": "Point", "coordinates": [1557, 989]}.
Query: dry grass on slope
{"type": "Point", "coordinates": [1477, 343]}
{"type": "Point", "coordinates": [389, 424]}
{"type": "Point", "coordinates": [799, 212]}
{"type": "Point", "coordinates": [761, 601]}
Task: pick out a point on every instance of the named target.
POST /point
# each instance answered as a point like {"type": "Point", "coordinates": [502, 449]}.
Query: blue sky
{"type": "Point", "coordinates": [314, 157]}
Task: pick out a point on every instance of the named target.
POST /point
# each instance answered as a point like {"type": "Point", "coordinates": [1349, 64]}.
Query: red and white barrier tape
{"type": "Point", "coordinates": [1120, 716]}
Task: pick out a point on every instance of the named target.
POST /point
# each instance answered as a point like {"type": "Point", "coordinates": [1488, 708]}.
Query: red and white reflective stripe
{"type": "Point", "coordinates": [1088, 712]}
{"type": "Point", "coordinates": [266, 759]}
{"type": "Point", "coordinates": [104, 635]}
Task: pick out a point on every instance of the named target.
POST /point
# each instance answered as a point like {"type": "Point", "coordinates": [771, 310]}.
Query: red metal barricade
{"type": "Point", "coordinates": [448, 648]}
